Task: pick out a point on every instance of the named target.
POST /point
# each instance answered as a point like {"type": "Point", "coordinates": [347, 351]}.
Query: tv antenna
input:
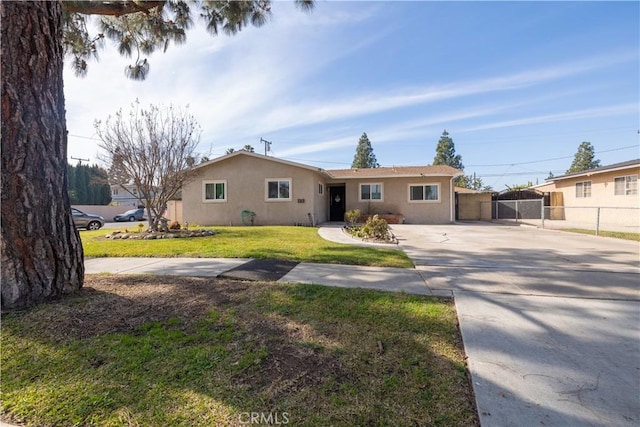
{"type": "Point", "coordinates": [267, 145]}
{"type": "Point", "coordinates": [79, 160]}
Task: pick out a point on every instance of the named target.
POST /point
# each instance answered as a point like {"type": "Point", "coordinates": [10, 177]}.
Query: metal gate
{"type": "Point", "coordinates": [519, 204]}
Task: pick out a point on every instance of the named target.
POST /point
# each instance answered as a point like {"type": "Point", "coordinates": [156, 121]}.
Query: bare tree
{"type": "Point", "coordinates": [152, 149]}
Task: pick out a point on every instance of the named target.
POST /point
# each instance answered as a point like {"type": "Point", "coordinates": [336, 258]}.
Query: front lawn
{"type": "Point", "coordinates": [169, 351]}
{"type": "Point", "coordinates": [302, 244]}
{"type": "Point", "coordinates": [604, 233]}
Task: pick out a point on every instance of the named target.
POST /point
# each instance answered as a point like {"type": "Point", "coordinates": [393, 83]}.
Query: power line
{"type": "Point", "coordinates": [84, 137]}
{"type": "Point", "coordinates": [487, 175]}
{"type": "Point", "coordinates": [549, 160]}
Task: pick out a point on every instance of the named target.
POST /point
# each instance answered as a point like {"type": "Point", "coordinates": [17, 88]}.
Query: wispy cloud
{"type": "Point", "coordinates": [303, 114]}
{"type": "Point", "coordinates": [558, 117]}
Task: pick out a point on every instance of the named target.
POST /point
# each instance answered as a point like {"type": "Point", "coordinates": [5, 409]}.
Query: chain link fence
{"type": "Point", "coordinates": [594, 218]}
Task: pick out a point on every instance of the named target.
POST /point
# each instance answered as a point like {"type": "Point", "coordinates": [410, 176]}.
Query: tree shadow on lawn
{"type": "Point", "coordinates": [154, 350]}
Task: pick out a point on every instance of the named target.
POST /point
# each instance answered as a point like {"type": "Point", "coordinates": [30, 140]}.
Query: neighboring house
{"type": "Point", "coordinates": [281, 192]}
{"type": "Point", "coordinates": [612, 188]}
{"type": "Point", "coordinates": [127, 196]}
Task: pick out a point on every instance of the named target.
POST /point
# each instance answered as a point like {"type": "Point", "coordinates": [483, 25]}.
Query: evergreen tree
{"type": "Point", "coordinates": [364, 157]}
{"type": "Point", "coordinates": [88, 185]}
{"type": "Point", "coordinates": [82, 184]}
{"type": "Point", "coordinates": [99, 189]}
{"type": "Point", "coordinates": [446, 152]}
{"type": "Point", "coordinates": [71, 179]}
{"type": "Point", "coordinates": [584, 158]}
{"type": "Point", "coordinates": [446, 155]}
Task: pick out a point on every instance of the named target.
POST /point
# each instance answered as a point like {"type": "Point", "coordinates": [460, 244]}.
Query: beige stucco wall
{"type": "Point", "coordinates": [396, 199]}
{"type": "Point", "coordinates": [174, 211]}
{"type": "Point", "coordinates": [615, 210]}
{"type": "Point", "coordinates": [245, 177]}
{"type": "Point", "coordinates": [474, 206]}
{"type": "Point", "coordinates": [602, 190]}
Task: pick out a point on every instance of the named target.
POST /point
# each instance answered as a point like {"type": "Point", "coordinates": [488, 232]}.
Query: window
{"type": "Point", "coordinates": [370, 192]}
{"type": "Point", "coordinates": [114, 191]}
{"type": "Point", "coordinates": [214, 191]}
{"type": "Point", "coordinates": [320, 188]}
{"type": "Point", "coordinates": [424, 192]}
{"type": "Point", "coordinates": [583, 189]}
{"type": "Point", "coordinates": [278, 189]}
{"type": "Point", "coordinates": [626, 185]}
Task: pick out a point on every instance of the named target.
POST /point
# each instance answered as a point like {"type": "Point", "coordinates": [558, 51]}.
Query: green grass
{"type": "Point", "coordinates": [160, 351]}
{"type": "Point", "coordinates": [615, 234]}
{"type": "Point", "coordinates": [268, 242]}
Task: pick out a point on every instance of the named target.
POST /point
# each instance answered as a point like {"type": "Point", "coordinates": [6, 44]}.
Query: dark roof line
{"type": "Point", "coordinates": [635, 162]}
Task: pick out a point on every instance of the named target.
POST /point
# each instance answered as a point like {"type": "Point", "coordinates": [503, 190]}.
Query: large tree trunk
{"type": "Point", "coordinates": [42, 254]}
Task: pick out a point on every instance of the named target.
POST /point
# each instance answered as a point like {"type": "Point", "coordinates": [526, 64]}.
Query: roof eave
{"type": "Point", "coordinates": [592, 172]}
{"type": "Point", "coordinates": [259, 156]}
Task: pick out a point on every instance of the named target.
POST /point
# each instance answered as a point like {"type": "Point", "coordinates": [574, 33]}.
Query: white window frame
{"type": "Point", "coordinates": [381, 199]}
{"type": "Point", "coordinates": [320, 189]}
{"type": "Point", "coordinates": [217, 181]}
{"type": "Point", "coordinates": [580, 189]}
{"type": "Point", "coordinates": [425, 184]}
{"type": "Point", "coordinates": [278, 199]}
{"type": "Point", "coordinates": [630, 185]}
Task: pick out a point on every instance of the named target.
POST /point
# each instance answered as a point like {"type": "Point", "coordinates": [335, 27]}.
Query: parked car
{"type": "Point", "coordinates": [131, 215]}
{"type": "Point", "coordinates": [85, 220]}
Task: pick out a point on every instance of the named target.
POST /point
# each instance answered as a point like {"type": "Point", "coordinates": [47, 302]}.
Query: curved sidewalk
{"type": "Point", "coordinates": [338, 275]}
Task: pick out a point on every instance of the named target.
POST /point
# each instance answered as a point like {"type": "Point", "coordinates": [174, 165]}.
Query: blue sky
{"type": "Point", "coordinates": [518, 85]}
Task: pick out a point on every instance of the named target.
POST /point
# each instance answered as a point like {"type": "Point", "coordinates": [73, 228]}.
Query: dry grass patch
{"type": "Point", "coordinates": [148, 350]}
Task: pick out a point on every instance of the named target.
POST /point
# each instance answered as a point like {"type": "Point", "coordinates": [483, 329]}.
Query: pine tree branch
{"type": "Point", "coordinates": [112, 8]}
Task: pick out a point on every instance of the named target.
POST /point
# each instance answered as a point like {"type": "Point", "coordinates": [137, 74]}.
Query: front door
{"type": "Point", "coordinates": [336, 203]}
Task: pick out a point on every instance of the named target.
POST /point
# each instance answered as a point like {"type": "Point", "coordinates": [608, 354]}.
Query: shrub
{"type": "Point", "coordinates": [352, 216]}
{"type": "Point", "coordinates": [374, 228]}
{"type": "Point", "coordinates": [175, 225]}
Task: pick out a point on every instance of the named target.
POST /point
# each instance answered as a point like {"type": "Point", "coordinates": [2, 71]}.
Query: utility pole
{"type": "Point", "coordinates": [267, 145]}
{"type": "Point", "coordinates": [79, 160]}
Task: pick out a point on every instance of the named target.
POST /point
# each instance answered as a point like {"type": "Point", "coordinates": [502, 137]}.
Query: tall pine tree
{"type": "Point", "coordinates": [446, 155]}
{"type": "Point", "coordinates": [446, 152]}
{"type": "Point", "coordinates": [88, 185]}
{"type": "Point", "coordinates": [584, 158]}
{"type": "Point", "coordinates": [364, 157]}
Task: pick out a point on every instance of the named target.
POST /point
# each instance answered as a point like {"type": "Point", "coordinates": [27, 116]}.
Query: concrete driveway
{"type": "Point", "coordinates": [550, 320]}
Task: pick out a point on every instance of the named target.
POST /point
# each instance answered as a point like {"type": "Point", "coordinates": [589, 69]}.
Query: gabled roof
{"type": "Point", "coordinates": [258, 156]}
{"type": "Point", "coordinates": [609, 168]}
{"type": "Point", "coordinates": [354, 173]}
{"type": "Point", "coordinates": [394, 172]}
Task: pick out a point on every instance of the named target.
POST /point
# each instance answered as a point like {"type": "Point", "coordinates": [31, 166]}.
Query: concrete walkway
{"type": "Point", "coordinates": [380, 278]}
{"type": "Point", "coordinates": [550, 321]}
